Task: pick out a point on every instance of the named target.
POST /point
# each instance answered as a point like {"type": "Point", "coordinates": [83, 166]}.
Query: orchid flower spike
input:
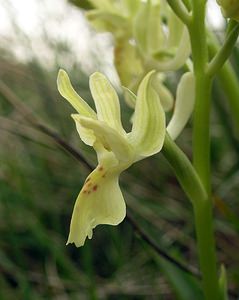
{"type": "Point", "coordinates": [100, 200]}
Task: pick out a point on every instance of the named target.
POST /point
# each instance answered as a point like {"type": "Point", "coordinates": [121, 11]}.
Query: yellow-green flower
{"type": "Point", "coordinates": [147, 35]}
{"type": "Point", "coordinates": [100, 200]}
{"type": "Point", "coordinates": [229, 8]}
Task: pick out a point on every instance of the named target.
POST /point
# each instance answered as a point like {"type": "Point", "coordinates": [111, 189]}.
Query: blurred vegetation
{"type": "Point", "coordinates": [84, 4]}
{"type": "Point", "coordinates": [39, 181]}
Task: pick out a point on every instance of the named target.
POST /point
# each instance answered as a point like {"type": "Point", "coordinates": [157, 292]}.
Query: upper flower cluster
{"type": "Point", "coordinates": [147, 35]}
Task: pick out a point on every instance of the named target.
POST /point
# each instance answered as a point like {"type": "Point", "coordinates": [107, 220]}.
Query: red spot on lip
{"type": "Point", "coordinates": [95, 187]}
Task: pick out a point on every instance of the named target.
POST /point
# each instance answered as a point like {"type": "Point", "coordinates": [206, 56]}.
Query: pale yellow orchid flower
{"type": "Point", "coordinates": [100, 200]}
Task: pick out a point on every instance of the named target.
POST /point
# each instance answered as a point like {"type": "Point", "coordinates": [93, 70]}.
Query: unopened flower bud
{"type": "Point", "coordinates": [229, 8]}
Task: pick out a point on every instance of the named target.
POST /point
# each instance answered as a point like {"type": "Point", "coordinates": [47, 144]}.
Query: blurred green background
{"type": "Point", "coordinates": [40, 179]}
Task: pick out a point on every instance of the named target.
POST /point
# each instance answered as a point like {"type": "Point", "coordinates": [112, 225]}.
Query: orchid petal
{"type": "Point", "coordinates": [99, 202]}
{"type": "Point", "coordinates": [175, 28]}
{"type": "Point", "coordinates": [149, 35]}
{"type": "Point", "coordinates": [67, 91]}
{"type": "Point", "coordinates": [127, 61]}
{"type": "Point", "coordinates": [183, 106]}
{"type": "Point", "coordinates": [165, 96]}
{"type": "Point", "coordinates": [132, 6]}
{"type": "Point", "coordinates": [109, 21]}
{"type": "Point", "coordinates": [130, 97]}
{"type": "Point", "coordinates": [106, 158]}
{"type": "Point", "coordinates": [105, 5]}
{"type": "Point", "coordinates": [86, 135]}
{"type": "Point", "coordinates": [148, 130]}
{"type": "Point", "coordinates": [180, 57]}
{"type": "Point", "coordinates": [106, 101]}
{"type": "Point", "coordinates": [109, 138]}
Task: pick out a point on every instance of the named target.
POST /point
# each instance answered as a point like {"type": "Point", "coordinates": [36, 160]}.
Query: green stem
{"type": "Point", "coordinates": [187, 4]}
{"type": "Point", "coordinates": [201, 139]}
{"type": "Point", "coordinates": [228, 82]}
{"type": "Point", "coordinates": [224, 52]}
{"type": "Point", "coordinates": [195, 191]}
{"type": "Point", "coordinates": [180, 10]}
{"type": "Point", "coordinates": [185, 172]}
{"type": "Point", "coordinates": [197, 32]}
{"type": "Point", "coordinates": [206, 249]}
{"type": "Point", "coordinates": [201, 151]}
{"type": "Point", "coordinates": [201, 131]}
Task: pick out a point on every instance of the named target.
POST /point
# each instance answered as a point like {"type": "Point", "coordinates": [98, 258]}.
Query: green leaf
{"type": "Point", "coordinates": [184, 285]}
{"type": "Point", "coordinates": [223, 284]}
